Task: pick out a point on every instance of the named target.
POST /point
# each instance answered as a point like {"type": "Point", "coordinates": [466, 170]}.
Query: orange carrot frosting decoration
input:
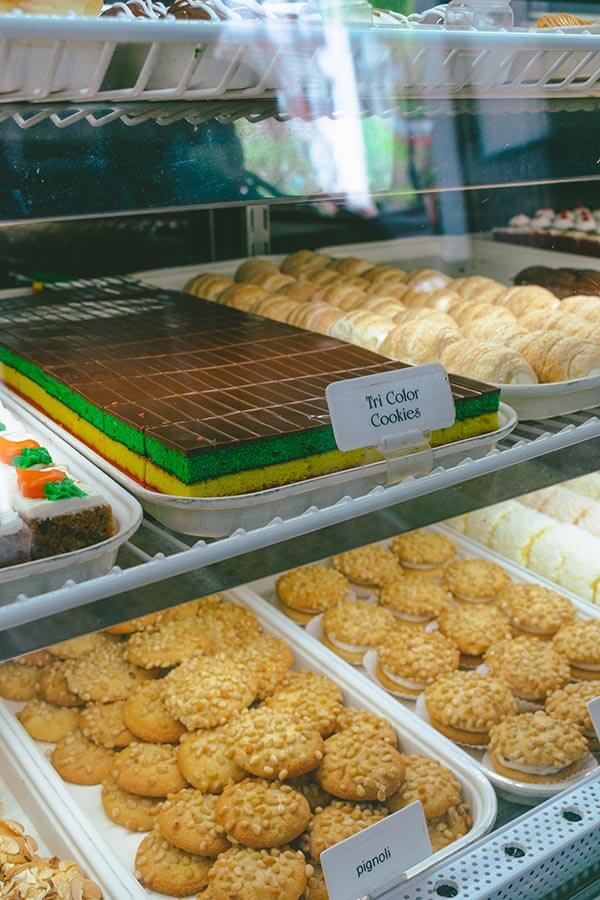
{"type": "Point", "coordinates": [10, 449]}
{"type": "Point", "coordinates": [32, 482]}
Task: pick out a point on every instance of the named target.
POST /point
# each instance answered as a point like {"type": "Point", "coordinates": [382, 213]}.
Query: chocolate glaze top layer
{"type": "Point", "coordinates": [562, 282]}
{"type": "Point", "coordinates": [194, 374]}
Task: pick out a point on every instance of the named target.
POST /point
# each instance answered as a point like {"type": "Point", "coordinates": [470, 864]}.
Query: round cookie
{"type": "Point", "coordinates": [415, 599]}
{"type": "Point", "coordinates": [188, 820]}
{"type": "Point", "coordinates": [246, 874]}
{"type": "Point", "coordinates": [570, 704]}
{"type": "Point", "coordinates": [161, 867]}
{"type": "Point", "coordinates": [79, 646]}
{"type": "Point", "coordinates": [79, 761]}
{"type": "Point", "coordinates": [369, 770]}
{"type": "Point", "coordinates": [579, 643]}
{"type": "Point", "coordinates": [473, 629]}
{"type": "Point", "coordinates": [430, 782]}
{"type": "Point", "coordinates": [269, 659]}
{"type": "Point", "coordinates": [304, 593]}
{"type": "Point", "coordinates": [407, 662]}
{"type": "Point", "coordinates": [352, 627]}
{"type": "Point", "coordinates": [262, 814]}
{"type": "Point", "coordinates": [172, 614]}
{"type": "Point", "coordinates": [38, 658]}
{"type": "Point", "coordinates": [227, 624]}
{"type": "Point", "coordinates": [104, 675]}
{"type": "Point", "coordinates": [363, 723]}
{"type": "Point", "coordinates": [313, 792]}
{"type": "Point", "coordinates": [535, 610]}
{"type": "Point", "coordinates": [311, 682]}
{"type": "Point", "coordinates": [274, 745]}
{"type": "Point", "coordinates": [16, 847]}
{"type": "Point", "coordinates": [103, 724]}
{"type": "Point", "coordinates": [536, 748]}
{"type": "Point", "coordinates": [167, 644]}
{"type": "Point", "coordinates": [339, 821]}
{"type": "Point", "coordinates": [204, 759]}
{"type": "Point", "coordinates": [46, 722]}
{"type": "Point", "coordinates": [145, 714]}
{"type": "Point", "coordinates": [129, 810]}
{"type": "Point", "coordinates": [19, 681]}
{"type": "Point", "coordinates": [423, 551]}
{"type": "Point", "coordinates": [54, 688]}
{"type": "Point", "coordinates": [454, 824]}
{"type": "Point", "coordinates": [316, 888]}
{"type": "Point", "coordinates": [319, 709]}
{"type": "Point", "coordinates": [207, 691]}
{"type": "Point", "coordinates": [532, 668]}
{"type": "Point", "coordinates": [370, 566]}
{"type": "Point", "coordinates": [475, 580]}
{"type": "Point", "coordinates": [149, 770]}
{"type": "Point", "coordinates": [464, 705]}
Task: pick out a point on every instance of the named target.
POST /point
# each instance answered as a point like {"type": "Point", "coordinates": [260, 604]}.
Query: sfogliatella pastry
{"type": "Point", "coordinates": [579, 643]}
{"type": "Point", "coordinates": [465, 705]}
{"type": "Point", "coordinates": [415, 599]}
{"type": "Point", "coordinates": [473, 629]}
{"type": "Point", "coordinates": [304, 593]}
{"type": "Point", "coordinates": [475, 580]}
{"type": "Point", "coordinates": [423, 552]}
{"type": "Point", "coordinates": [535, 610]}
{"type": "Point", "coordinates": [352, 627]}
{"type": "Point", "coordinates": [536, 748]}
{"type": "Point", "coordinates": [532, 668]}
{"type": "Point", "coordinates": [570, 704]}
{"type": "Point", "coordinates": [408, 662]}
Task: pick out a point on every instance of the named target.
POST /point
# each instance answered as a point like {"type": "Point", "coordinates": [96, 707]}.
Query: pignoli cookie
{"type": "Point", "coordinates": [103, 724]}
{"type": "Point", "coordinates": [54, 688]}
{"type": "Point", "coordinates": [535, 610]}
{"type": "Point", "coordinates": [579, 643]}
{"type": "Point", "coordinates": [166, 869]}
{"type": "Point", "coordinates": [532, 668]}
{"type": "Point", "coordinates": [475, 580]}
{"type": "Point", "coordinates": [454, 824]}
{"type": "Point", "coordinates": [363, 723]}
{"type": "Point", "coordinates": [47, 722]}
{"type": "Point", "coordinates": [371, 566]}
{"type": "Point", "coordinates": [19, 681]}
{"type": "Point", "coordinates": [268, 658]}
{"type": "Point", "coordinates": [423, 551]}
{"type": "Point", "coordinates": [369, 770]}
{"type": "Point", "coordinates": [415, 599]}
{"type": "Point", "coordinates": [245, 874]}
{"type": "Point", "coordinates": [304, 593]}
{"type": "Point", "coordinates": [173, 614]}
{"type": "Point", "coordinates": [316, 888]}
{"type": "Point", "coordinates": [80, 646]}
{"type": "Point", "coordinates": [104, 675]}
{"type": "Point", "coordinates": [79, 761]}
{"type": "Point", "coordinates": [149, 770]}
{"type": "Point", "coordinates": [204, 759]}
{"type": "Point", "coordinates": [537, 748]}
{"type": "Point", "coordinates": [145, 714]}
{"type": "Point", "coordinates": [129, 810]}
{"type": "Point", "coordinates": [320, 710]}
{"type": "Point", "coordinates": [430, 782]}
{"type": "Point", "coordinates": [167, 644]}
{"type": "Point", "coordinates": [338, 821]}
{"type": "Point", "coordinates": [188, 820]}
{"type": "Point", "coordinates": [464, 705]}
{"type": "Point", "coordinates": [274, 745]}
{"type": "Point", "coordinates": [207, 691]}
{"type": "Point", "coordinates": [262, 814]}
{"type": "Point", "coordinates": [313, 792]}
{"type": "Point", "coordinates": [473, 629]}
{"type": "Point", "coordinates": [352, 627]}
{"type": "Point", "coordinates": [570, 704]}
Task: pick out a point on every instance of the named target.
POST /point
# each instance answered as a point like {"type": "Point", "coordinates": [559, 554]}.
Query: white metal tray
{"type": "Point", "coordinates": [41, 575]}
{"type": "Point", "coordinates": [221, 516]}
{"type": "Point", "coordinates": [414, 737]}
{"type": "Point", "coordinates": [513, 790]}
{"type": "Point", "coordinates": [43, 806]}
{"type": "Point", "coordinates": [467, 255]}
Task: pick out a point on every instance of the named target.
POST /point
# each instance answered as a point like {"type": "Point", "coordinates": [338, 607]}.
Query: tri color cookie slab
{"type": "Point", "coordinates": [190, 397]}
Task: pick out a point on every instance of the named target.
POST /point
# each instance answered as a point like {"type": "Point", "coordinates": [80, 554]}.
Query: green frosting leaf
{"type": "Point", "coordinates": [62, 490]}
{"type": "Point", "coordinates": [32, 456]}
{"type": "Point", "coordinates": [2, 426]}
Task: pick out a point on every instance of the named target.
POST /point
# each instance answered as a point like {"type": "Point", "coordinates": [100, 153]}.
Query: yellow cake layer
{"type": "Point", "coordinates": [226, 485]}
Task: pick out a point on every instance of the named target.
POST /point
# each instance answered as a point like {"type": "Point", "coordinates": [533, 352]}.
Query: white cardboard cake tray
{"type": "Point", "coordinates": [415, 736]}
{"type": "Point", "coordinates": [41, 575]}
{"type": "Point", "coordinates": [511, 789]}
{"type": "Point", "coordinates": [467, 255]}
{"type": "Point", "coordinates": [44, 808]}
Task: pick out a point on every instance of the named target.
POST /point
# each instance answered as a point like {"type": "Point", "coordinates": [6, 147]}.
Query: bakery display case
{"type": "Point", "coordinates": [231, 637]}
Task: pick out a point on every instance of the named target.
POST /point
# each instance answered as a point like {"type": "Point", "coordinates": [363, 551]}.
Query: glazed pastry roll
{"type": "Point", "coordinates": [424, 315]}
{"type": "Point", "coordinates": [557, 357]}
{"type": "Point", "coordinates": [418, 342]}
{"type": "Point", "coordinates": [491, 329]}
{"type": "Point", "coordinates": [304, 260]}
{"type": "Point", "coordinates": [583, 305]}
{"type": "Point", "coordinates": [427, 280]}
{"type": "Point", "coordinates": [478, 287]}
{"type": "Point", "coordinates": [365, 329]}
{"type": "Point", "coordinates": [565, 322]}
{"type": "Point", "coordinates": [321, 317]}
{"type": "Point", "coordinates": [208, 285]}
{"type": "Point", "coordinates": [385, 306]}
{"type": "Point", "coordinates": [380, 275]}
{"type": "Point", "coordinates": [527, 297]}
{"type": "Point", "coordinates": [487, 362]}
{"type": "Point", "coordinates": [243, 296]}
{"type": "Point", "coordinates": [465, 311]}
{"type": "Point", "coordinates": [255, 268]}
{"type": "Point", "coordinates": [276, 307]}
{"type": "Point", "coordinates": [439, 299]}
{"type": "Point", "coordinates": [351, 265]}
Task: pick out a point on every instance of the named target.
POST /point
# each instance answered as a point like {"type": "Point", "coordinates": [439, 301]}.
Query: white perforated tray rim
{"type": "Point", "coordinates": [414, 736]}
{"type": "Point", "coordinates": [519, 792]}
{"type": "Point", "coordinates": [31, 577]}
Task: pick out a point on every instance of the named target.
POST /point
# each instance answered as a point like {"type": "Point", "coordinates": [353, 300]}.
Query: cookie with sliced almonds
{"type": "Point", "coordinates": [274, 745]}
{"type": "Point", "coordinates": [367, 770]}
{"type": "Point", "coordinates": [262, 814]}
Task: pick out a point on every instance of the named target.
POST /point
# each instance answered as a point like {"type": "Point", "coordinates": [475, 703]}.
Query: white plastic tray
{"type": "Point", "coordinates": [221, 516]}
{"type": "Point", "coordinates": [513, 790]}
{"type": "Point", "coordinates": [43, 806]}
{"type": "Point", "coordinates": [466, 255]}
{"type": "Point", "coordinates": [414, 737]}
{"type": "Point", "coordinates": [41, 575]}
